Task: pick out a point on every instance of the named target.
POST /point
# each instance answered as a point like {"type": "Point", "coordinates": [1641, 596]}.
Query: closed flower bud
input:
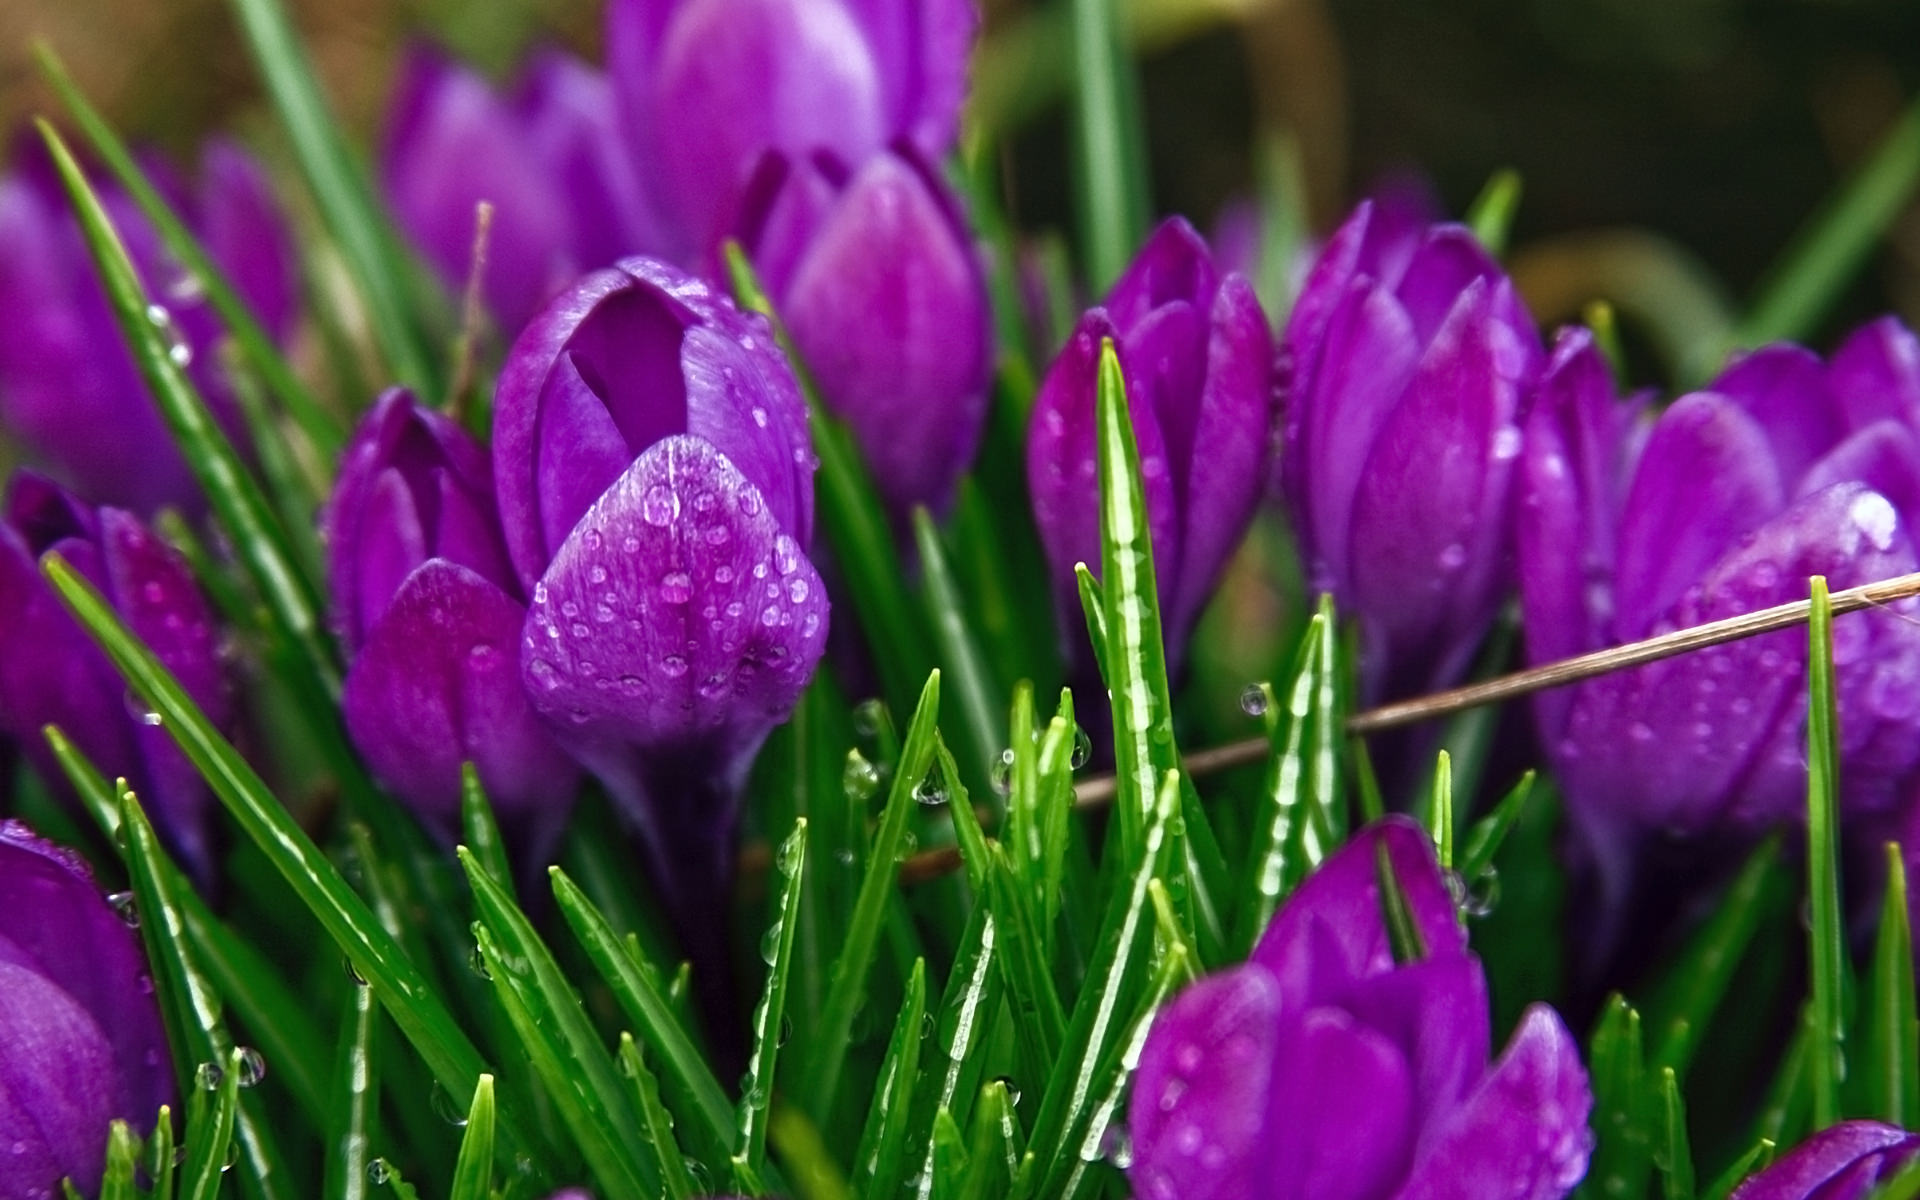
{"type": "Point", "coordinates": [81, 1044]}
{"type": "Point", "coordinates": [1198, 361]}
{"type": "Point", "coordinates": [1841, 1162]}
{"type": "Point", "coordinates": [877, 279]}
{"type": "Point", "coordinates": [51, 673]}
{"type": "Point", "coordinates": [1325, 1068]}
{"type": "Point", "coordinates": [69, 388]}
{"type": "Point", "coordinates": [545, 153]}
{"type": "Point", "coordinates": [1410, 356]}
{"type": "Point", "coordinates": [430, 613]}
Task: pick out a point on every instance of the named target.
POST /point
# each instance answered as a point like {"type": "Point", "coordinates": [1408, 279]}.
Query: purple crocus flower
{"type": "Point", "coordinates": [430, 612]}
{"type": "Point", "coordinates": [1780, 469]}
{"type": "Point", "coordinates": [1841, 1162]}
{"type": "Point", "coordinates": [1198, 361]}
{"type": "Point", "coordinates": [1323, 1068]}
{"type": "Point", "coordinates": [1410, 356]}
{"type": "Point", "coordinates": [707, 87]}
{"type": "Point", "coordinates": [878, 281]}
{"type": "Point", "coordinates": [69, 389]}
{"type": "Point", "coordinates": [656, 483]}
{"type": "Point", "coordinates": [546, 154]}
{"type": "Point", "coordinates": [81, 1044]}
{"type": "Point", "coordinates": [52, 673]}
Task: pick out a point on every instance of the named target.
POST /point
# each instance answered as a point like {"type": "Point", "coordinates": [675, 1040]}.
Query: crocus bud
{"type": "Point", "coordinates": [707, 87]}
{"type": "Point", "coordinates": [656, 481]}
{"type": "Point", "coordinates": [546, 155]}
{"type": "Point", "coordinates": [52, 673]}
{"type": "Point", "coordinates": [1781, 469]}
{"type": "Point", "coordinates": [81, 1044]}
{"type": "Point", "coordinates": [1410, 356]}
{"type": "Point", "coordinates": [430, 613]}
{"type": "Point", "coordinates": [876, 277]}
{"type": "Point", "coordinates": [69, 388]}
{"type": "Point", "coordinates": [1326, 1068]}
{"type": "Point", "coordinates": [1841, 1162]}
{"type": "Point", "coordinates": [1198, 361]}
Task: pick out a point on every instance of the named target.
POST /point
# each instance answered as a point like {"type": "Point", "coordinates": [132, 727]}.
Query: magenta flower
{"type": "Point", "coordinates": [1841, 1162]}
{"type": "Point", "coordinates": [430, 613]}
{"type": "Point", "coordinates": [69, 389]}
{"type": "Point", "coordinates": [1410, 356]}
{"type": "Point", "coordinates": [1198, 361]}
{"type": "Point", "coordinates": [546, 154]}
{"type": "Point", "coordinates": [707, 87]}
{"type": "Point", "coordinates": [81, 1044]}
{"type": "Point", "coordinates": [1324, 1069]}
{"type": "Point", "coordinates": [52, 673]}
{"type": "Point", "coordinates": [878, 281]}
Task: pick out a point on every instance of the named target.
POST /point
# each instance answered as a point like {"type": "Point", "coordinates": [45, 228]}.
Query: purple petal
{"type": "Point", "coordinates": [786, 204]}
{"type": "Point", "coordinates": [1782, 388]}
{"type": "Point", "coordinates": [1875, 374]}
{"type": "Point", "coordinates": [1523, 1133]}
{"type": "Point", "coordinates": [1435, 1011]}
{"type": "Point", "coordinates": [243, 228]}
{"type": "Point", "coordinates": [57, 1087]}
{"type": "Point", "coordinates": [1885, 456]}
{"type": "Point", "coordinates": [922, 48]}
{"type": "Point", "coordinates": [1174, 265]}
{"type": "Point", "coordinates": [1831, 1156]}
{"type": "Point", "coordinates": [1341, 1124]}
{"type": "Point", "coordinates": [1447, 261]}
{"type": "Point", "coordinates": [1325, 291]}
{"type": "Point", "coordinates": [571, 122]}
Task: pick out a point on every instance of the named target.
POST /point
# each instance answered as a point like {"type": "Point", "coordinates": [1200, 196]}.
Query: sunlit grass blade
{"type": "Point", "coordinates": [122, 1161]}
{"type": "Point", "coordinates": [1491, 214]}
{"type": "Point", "coordinates": [160, 1165]}
{"type": "Point", "coordinates": [1622, 1159]}
{"type": "Point", "coordinates": [1827, 949]}
{"type": "Point", "coordinates": [657, 1125]}
{"type": "Point", "coordinates": [1699, 979]}
{"type": "Point", "coordinates": [1093, 606]}
{"type": "Point", "coordinates": [949, 1155]}
{"type": "Point", "coordinates": [845, 993]}
{"type": "Point", "coordinates": [1271, 869]}
{"type": "Point", "coordinates": [340, 190]}
{"type": "Point", "coordinates": [965, 1022]}
{"type": "Point", "coordinates": [1440, 810]}
{"type": "Point", "coordinates": [209, 1138]}
{"type": "Point", "coordinates": [1894, 1046]}
{"type": "Point", "coordinates": [1751, 1163]}
{"type": "Point", "coordinates": [979, 696]}
{"type": "Point", "coordinates": [1784, 1111]}
{"type": "Point", "coordinates": [1674, 1156]}
{"type": "Point", "coordinates": [975, 858]}
{"type": "Point", "coordinates": [354, 1112]}
{"type": "Point", "coordinates": [879, 1162]}
{"type": "Point", "coordinates": [418, 1012]}
{"type": "Point", "coordinates": [1066, 868]}
{"type": "Point", "coordinates": [479, 831]}
{"type": "Point", "coordinates": [1109, 143]}
{"type": "Point", "coordinates": [770, 1014]}
{"type": "Point", "coordinates": [809, 1166]}
{"type": "Point", "coordinates": [473, 1170]}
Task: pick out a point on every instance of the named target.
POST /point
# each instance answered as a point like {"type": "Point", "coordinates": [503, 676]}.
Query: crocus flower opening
{"type": "Point", "coordinates": [81, 1044]}
{"type": "Point", "coordinates": [1409, 357]}
{"type": "Point", "coordinates": [1323, 1068]}
{"type": "Point", "coordinates": [51, 673]}
{"type": "Point", "coordinates": [707, 87]}
{"type": "Point", "coordinates": [1780, 469]}
{"type": "Point", "coordinates": [430, 612]}
{"type": "Point", "coordinates": [1198, 361]}
{"type": "Point", "coordinates": [1841, 1162]}
{"type": "Point", "coordinates": [877, 279]}
{"type": "Point", "coordinates": [69, 388]}
{"type": "Point", "coordinates": [546, 154]}
{"type": "Point", "coordinates": [656, 480]}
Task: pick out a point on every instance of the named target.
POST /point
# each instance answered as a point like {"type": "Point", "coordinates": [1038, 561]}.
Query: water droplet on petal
{"type": "Point", "coordinates": [659, 506]}
{"type": "Point", "coordinates": [676, 587]}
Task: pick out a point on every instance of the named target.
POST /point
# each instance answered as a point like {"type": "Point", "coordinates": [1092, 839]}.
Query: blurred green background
{"type": "Point", "coordinates": [1640, 127]}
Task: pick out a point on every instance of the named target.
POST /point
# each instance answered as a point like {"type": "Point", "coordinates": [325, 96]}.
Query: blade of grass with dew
{"type": "Point", "coordinates": [473, 1169]}
{"type": "Point", "coordinates": [1109, 143]}
{"type": "Point", "coordinates": [1894, 1041]}
{"type": "Point", "coordinates": [160, 1164]}
{"type": "Point", "coordinates": [209, 1139]}
{"type": "Point", "coordinates": [993, 1145]}
{"type": "Point", "coordinates": [967, 1019]}
{"type": "Point", "coordinates": [1490, 832]}
{"type": "Point", "coordinates": [1674, 1155]}
{"type": "Point", "coordinates": [481, 832]}
{"type": "Point", "coordinates": [979, 696]}
{"type": "Point", "coordinates": [879, 1161]}
{"type": "Point", "coordinates": [770, 1014]}
{"type": "Point", "coordinates": [846, 990]}
{"type": "Point", "coordinates": [948, 1154]}
{"type": "Point", "coordinates": [1093, 606]}
{"type": "Point", "coordinates": [1271, 869]}
{"type": "Point", "coordinates": [122, 1154]}
{"type": "Point", "coordinates": [340, 190]}
{"type": "Point", "coordinates": [1827, 950]}
{"type": "Point", "coordinates": [1440, 809]}
{"type": "Point", "coordinates": [1491, 214]}
{"type": "Point", "coordinates": [975, 859]}
{"type": "Point", "coordinates": [1783, 1116]}
{"type": "Point", "coordinates": [676, 1180]}
{"type": "Point", "coordinates": [1697, 983]}
{"type": "Point", "coordinates": [596, 855]}
{"type": "Point", "coordinates": [1038, 1016]}
{"type": "Point", "coordinates": [191, 1000]}
{"type": "Point", "coordinates": [1622, 1160]}
{"type": "Point", "coordinates": [1752, 1162]}
{"type": "Point", "coordinates": [419, 1013]}
{"type": "Point", "coordinates": [354, 1112]}
{"type": "Point", "coordinates": [324, 428]}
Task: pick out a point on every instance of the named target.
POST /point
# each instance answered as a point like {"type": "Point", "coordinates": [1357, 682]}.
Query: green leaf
{"type": "Point", "coordinates": [1895, 1035]}
{"type": "Point", "coordinates": [1623, 1150]}
{"type": "Point", "coordinates": [160, 1165]}
{"type": "Point", "coordinates": [209, 1137]}
{"type": "Point", "coordinates": [847, 991]}
{"type": "Point", "coordinates": [122, 1155]}
{"type": "Point", "coordinates": [1440, 810]}
{"type": "Point", "coordinates": [1403, 932]}
{"type": "Point", "coordinates": [1093, 605]}
{"type": "Point", "coordinates": [809, 1166]}
{"type": "Point", "coordinates": [1109, 144]}
{"type": "Point", "coordinates": [980, 697]}
{"type": "Point", "coordinates": [473, 1170]}
{"type": "Point", "coordinates": [880, 1160]}
{"type": "Point", "coordinates": [994, 1146]}
{"type": "Point", "coordinates": [968, 1015]}
{"type": "Point", "coordinates": [1038, 1015]}
{"type": "Point", "coordinates": [1490, 832]}
{"type": "Point", "coordinates": [1674, 1156]}
{"type": "Point", "coordinates": [1492, 212]}
{"type": "Point", "coordinates": [1827, 1065]}
{"type": "Point", "coordinates": [481, 832]}
{"type": "Point", "coordinates": [750, 1142]}
{"type": "Point", "coordinates": [354, 1115]}
{"type": "Point", "coordinates": [1751, 1163]}
{"type": "Point", "coordinates": [676, 1180]}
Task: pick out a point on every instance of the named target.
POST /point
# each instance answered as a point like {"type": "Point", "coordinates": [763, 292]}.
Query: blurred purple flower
{"type": "Point", "coordinates": [81, 1044]}
{"type": "Point", "coordinates": [69, 389]}
{"type": "Point", "coordinates": [877, 279]}
{"type": "Point", "coordinates": [707, 87]}
{"type": "Point", "coordinates": [1841, 1162]}
{"type": "Point", "coordinates": [1325, 1070]}
{"type": "Point", "coordinates": [430, 614]}
{"type": "Point", "coordinates": [1410, 356]}
{"type": "Point", "coordinates": [52, 673]}
{"type": "Point", "coordinates": [656, 480]}
{"type": "Point", "coordinates": [1198, 361]}
{"type": "Point", "coordinates": [1780, 469]}
{"type": "Point", "coordinates": [547, 154]}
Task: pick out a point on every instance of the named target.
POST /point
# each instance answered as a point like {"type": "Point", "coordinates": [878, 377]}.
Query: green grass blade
{"type": "Point", "coordinates": [1699, 980]}
{"type": "Point", "coordinates": [481, 832]}
{"type": "Point", "coordinates": [975, 858]}
{"type": "Point", "coordinates": [1093, 606]}
{"type": "Point", "coordinates": [1062, 749]}
{"type": "Point", "coordinates": [834, 1032]}
{"type": "Point", "coordinates": [473, 1170]}
{"type": "Point", "coordinates": [1491, 214]}
{"type": "Point", "coordinates": [1675, 1156]}
{"type": "Point", "coordinates": [1440, 810]}
{"type": "Point", "coordinates": [880, 1159]}
{"type": "Point", "coordinates": [949, 1155]}
{"type": "Point", "coordinates": [1895, 1038]}
{"type": "Point", "coordinates": [1623, 1148]}
{"type": "Point", "coordinates": [978, 694]}
{"type": "Point", "coordinates": [993, 1145]}
{"type": "Point", "coordinates": [209, 1138]}
{"type": "Point", "coordinates": [1109, 143]}
{"type": "Point", "coordinates": [968, 1014]}
{"type": "Point", "coordinates": [1751, 1163]}
{"type": "Point", "coordinates": [1038, 1015]}
{"type": "Point", "coordinates": [1490, 832]}
{"type": "Point", "coordinates": [354, 1114]}
{"type": "Point", "coordinates": [122, 1159]}
{"type": "Point", "coordinates": [340, 190]}
{"type": "Point", "coordinates": [160, 1166]}
{"type": "Point", "coordinates": [657, 1124]}
{"type": "Point", "coordinates": [1827, 949]}
{"type": "Point", "coordinates": [770, 1014]}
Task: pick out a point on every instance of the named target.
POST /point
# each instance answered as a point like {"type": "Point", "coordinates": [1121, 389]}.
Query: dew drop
{"type": "Point", "coordinates": [207, 1076]}
{"type": "Point", "coordinates": [798, 589]}
{"type": "Point", "coordinates": [931, 791]}
{"type": "Point", "coordinates": [1453, 557]}
{"type": "Point", "coordinates": [659, 506]}
{"type": "Point", "coordinates": [178, 351]}
{"type": "Point", "coordinates": [1082, 748]}
{"type": "Point", "coordinates": [1001, 774]}
{"type": "Point", "coordinates": [446, 1107]}
{"type": "Point", "coordinates": [1253, 700]}
{"type": "Point", "coordinates": [125, 907]}
{"type": "Point", "coordinates": [676, 587]}
{"type": "Point", "coordinates": [770, 616]}
{"type": "Point", "coordinates": [860, 779]}
{"type": "Point", "coordinates": [672, 666]}
{"type": "Point", "coordinates": [253, 1066]}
